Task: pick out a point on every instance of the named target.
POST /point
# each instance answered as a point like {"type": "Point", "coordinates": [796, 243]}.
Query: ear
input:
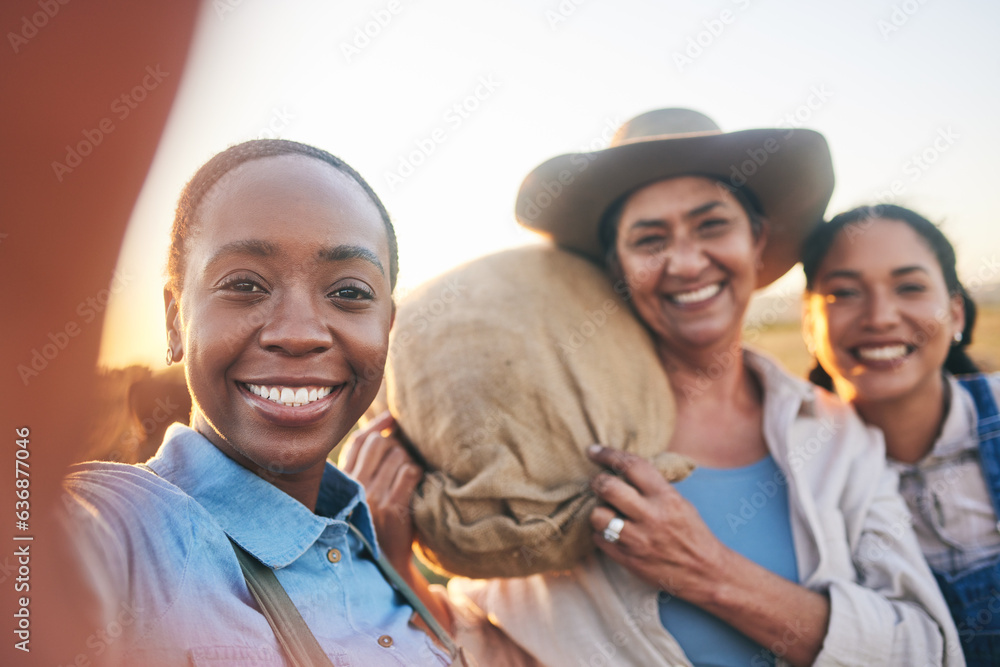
{"type": "Point", "coordinates": [172, 311]}
{"type": "Point", "coordinates": [761, 242]}
{"type": "Point", "coordinates": [807, 324]}
{"type": "Point", "coordinates": [956, 310]}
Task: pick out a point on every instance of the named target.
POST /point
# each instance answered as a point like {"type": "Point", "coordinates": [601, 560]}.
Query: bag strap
{"type": "Point", "coordinates": [397, 582]}
{"type": "Point", "coordinates": [988, 422]}
{"type": "Point", "coordinates": [289, 627]}
{"type": "Point", "coordinates": [988, 429]}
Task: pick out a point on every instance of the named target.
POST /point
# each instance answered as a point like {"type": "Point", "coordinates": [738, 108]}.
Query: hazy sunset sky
{"type": "Point", "coordinates": [905, 92]}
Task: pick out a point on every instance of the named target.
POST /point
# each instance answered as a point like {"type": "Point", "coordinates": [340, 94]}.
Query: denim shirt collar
{"type": "Point", "coordinates": [267, 522]}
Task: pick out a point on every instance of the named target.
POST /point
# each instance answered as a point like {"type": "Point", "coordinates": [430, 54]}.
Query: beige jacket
{"type": "Point", "coordinates": [853, 541]}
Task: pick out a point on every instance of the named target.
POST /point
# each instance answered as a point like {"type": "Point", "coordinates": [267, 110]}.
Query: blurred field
{"type": "Point", "coordinates": [784, 341]}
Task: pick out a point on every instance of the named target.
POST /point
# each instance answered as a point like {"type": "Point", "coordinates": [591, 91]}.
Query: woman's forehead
{"type": "Point", "coordinates": [679, 195]}
{"type": "Point", "coordinates": [289, 200]}
{"type": "Point", "coordinates": [877, 245]}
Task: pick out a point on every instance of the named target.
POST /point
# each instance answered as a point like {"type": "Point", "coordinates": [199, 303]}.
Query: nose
{"type": "Point", "coordinates": [685, 259]}
{"type": "Point", "coordinates": [881, 311]}
{"type": "Point", "coordinates": [295, 325]}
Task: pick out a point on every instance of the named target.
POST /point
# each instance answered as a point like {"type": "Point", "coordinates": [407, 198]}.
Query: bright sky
{"type": "Point", "coordinates": [904, 90]}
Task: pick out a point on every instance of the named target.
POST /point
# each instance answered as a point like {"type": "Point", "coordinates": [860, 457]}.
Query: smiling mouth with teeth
{"type": "Point", "coordinates": [883, 353]}
{"type": "Point", "coordinates": [292, 397]}
{"type": "Point", "coordinates": [694, 296]}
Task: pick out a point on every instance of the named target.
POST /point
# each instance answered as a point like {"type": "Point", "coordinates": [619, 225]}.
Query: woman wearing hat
{"type": "Point", "coordinates": [789, 542]}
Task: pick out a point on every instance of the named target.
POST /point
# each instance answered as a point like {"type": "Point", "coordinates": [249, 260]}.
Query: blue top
{"type": "Point", "coordinates": [168, 575]}
{"type": "Point", "coordinates": [747, 510]}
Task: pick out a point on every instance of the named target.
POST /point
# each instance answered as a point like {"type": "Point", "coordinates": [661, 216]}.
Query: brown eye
{"type": "Point", "coordinates": [353, 292]}
{"type": "Point", "coordinates": [243, 285]}
{"type": "Point", "coordinates": [911, 288]}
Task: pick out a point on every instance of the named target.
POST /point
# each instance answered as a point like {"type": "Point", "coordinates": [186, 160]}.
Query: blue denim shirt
{"type": "Point", "coordinates": [174, 589]}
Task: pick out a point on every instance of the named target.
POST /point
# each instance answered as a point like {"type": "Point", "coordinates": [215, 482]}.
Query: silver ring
{"type": "Point", "coordinates": [613, 532]}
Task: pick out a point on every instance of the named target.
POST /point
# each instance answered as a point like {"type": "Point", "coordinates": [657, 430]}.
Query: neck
{"type": "Point", "coordinates": [910, 423]}
{"type": "Point", "coordinates": [717, 376]}
{"type": "Point", "coordinates": [303, 485]}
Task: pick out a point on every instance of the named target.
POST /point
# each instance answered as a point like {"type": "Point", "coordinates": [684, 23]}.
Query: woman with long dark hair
{"type": "Point", "coordinates": [889, 323]}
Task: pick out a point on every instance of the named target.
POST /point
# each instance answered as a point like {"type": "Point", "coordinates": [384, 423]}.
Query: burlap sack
{"type": "Point", "coordinates": [501, 373]}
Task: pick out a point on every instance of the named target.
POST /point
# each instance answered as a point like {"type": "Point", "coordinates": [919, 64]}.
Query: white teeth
{"type": "Point", "coordinates": [694, 296]}
{"type": "Point", "coordinates": [290, 396]}
{"type": "Point", "coordinates": [886, 353]}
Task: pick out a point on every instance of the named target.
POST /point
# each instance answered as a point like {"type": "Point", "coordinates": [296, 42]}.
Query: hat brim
{"type": "Point", "coordinates": [790, 172]}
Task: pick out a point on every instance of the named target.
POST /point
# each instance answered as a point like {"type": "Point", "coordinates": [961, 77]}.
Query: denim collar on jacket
{"type": "Point", "coordinates": [261, 518]}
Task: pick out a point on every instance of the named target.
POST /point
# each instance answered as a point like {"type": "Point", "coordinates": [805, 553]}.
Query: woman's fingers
{"type": "Point", "coordinates": [637, 470]}
{"type": "Point", "coordinates": [349, 458]}
{"type": "Point", "coordinates": [379, 472]}
{"type": "Point", "coordinates": [601, 518]}
{"type": "Point", "coordinates": [404, 484]}
{"type": "Point", "coordinates": [619, 494]}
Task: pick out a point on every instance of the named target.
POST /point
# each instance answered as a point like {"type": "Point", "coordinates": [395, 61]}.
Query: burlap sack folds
{"type": "Point", "coordinates": [501, 373]}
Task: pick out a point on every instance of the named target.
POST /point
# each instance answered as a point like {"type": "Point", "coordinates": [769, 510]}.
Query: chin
{"type": "Point", "coordinates": [879, 389]}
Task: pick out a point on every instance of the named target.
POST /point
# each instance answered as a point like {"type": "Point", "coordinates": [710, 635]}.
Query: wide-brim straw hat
{"type": "Point", "coordinates": [788, 171]}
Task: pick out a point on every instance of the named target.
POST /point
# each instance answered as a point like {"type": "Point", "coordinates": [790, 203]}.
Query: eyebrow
{"type": "Point", "coordinates": [344, 252]}
{"type": "Point", "coordinates": [260, 248]}
{"type": "Point", "coordinates": [704, 208]}
{"type": "Point", "coordinates": [254, 247]}
{"type": "Point", "coordinates": [856, 275]}
{"type": "Point", "coordinates": [903, 270]}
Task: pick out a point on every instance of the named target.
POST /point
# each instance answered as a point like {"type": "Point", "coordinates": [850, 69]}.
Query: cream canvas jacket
{"type": "Point", "coordinates": [853, 541]}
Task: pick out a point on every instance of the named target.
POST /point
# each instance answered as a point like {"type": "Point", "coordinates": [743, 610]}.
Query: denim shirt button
{"type": "Point", "coordinates": [385, 641]}
{"type": "Point", "coordinates": [333, 555]}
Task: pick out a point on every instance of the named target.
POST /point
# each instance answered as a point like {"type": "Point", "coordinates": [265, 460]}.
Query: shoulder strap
{"type": "Point", "coordinates": [988, 422]}
{"type": "Point", "coordinates": [988, 429]}
{"type": "Point", "coordinates": [289, 627]}
{"type": "Point", "coordinates": [397, 582]}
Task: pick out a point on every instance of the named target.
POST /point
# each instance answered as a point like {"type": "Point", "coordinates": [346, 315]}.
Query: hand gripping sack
{"type": "Point", "coordinates": [501, 373]}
